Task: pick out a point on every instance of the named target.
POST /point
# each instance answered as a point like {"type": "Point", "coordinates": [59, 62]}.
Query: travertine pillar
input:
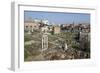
{"type": "Point", "coordinates": [44, 41]}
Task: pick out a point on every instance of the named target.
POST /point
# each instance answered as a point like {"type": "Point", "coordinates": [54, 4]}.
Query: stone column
{"type": "Point", "coordinates": [44, 42]}
{"type": "Point", "coordinates": [29, 31]}
{"type": "Point", "coordinates": [66, 47]}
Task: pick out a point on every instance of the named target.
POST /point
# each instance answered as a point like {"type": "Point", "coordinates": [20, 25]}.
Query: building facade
{"type": "Point", "coordinates": [56, 29]}
{"type": "Point", "coordinates": [30, 26]}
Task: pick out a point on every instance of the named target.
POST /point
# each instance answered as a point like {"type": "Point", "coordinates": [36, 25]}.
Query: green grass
{"type": "Point", "coordinates": [32, 50]}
